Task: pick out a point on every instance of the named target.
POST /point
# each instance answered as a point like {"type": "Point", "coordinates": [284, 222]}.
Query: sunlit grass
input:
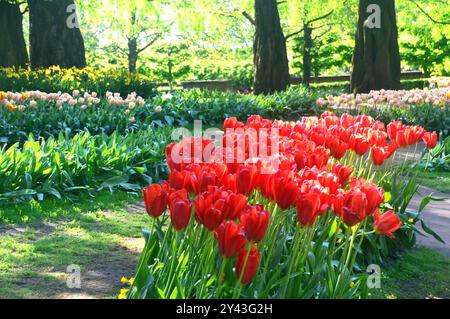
{"type": "Point", "coordinates": [418, 274]}
{"type": "Point", "coordinates": [100, 235]}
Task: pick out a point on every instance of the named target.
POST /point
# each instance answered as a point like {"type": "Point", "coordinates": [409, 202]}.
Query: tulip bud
{"type": "Point", "coordinates": [180, 209]}
{"type": "Point", "coordinates": [156, 199]}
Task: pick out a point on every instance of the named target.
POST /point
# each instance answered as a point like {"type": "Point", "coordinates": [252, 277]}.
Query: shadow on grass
{"type": "Point", "coordinates": [100, 236]}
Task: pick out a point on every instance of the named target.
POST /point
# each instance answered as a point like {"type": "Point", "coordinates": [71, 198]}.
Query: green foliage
{"type": "Point", "coordinates": [242, 76]}
{"type": "Point", "coordinates": [181, 109]}
{"type": "Point", "coordinates": [423, 42]}
{"type": "Point", "coordinates": [330, 54]}
{"type": "Point", "coordinates": [422, 50]}
{"type": "Point", "coordinates": [437, 159]}
{"type": "Point", "coordinates": [399, 193]}
{"type": "Point", "coordinates": [64, 167]}
{"type": "Point", "coordinates": [170, 62]}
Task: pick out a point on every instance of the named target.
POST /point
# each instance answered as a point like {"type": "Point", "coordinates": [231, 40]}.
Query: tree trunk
{"type": "Point", "coordinates": [55, 37]}
{"type": "Point", "coordinates": [132, 55]}
{"type": "Point", "coordinates": [269, 50]}
{"type": "Point", "coordinates": [307, 58]}
{"type": "Point", "coordinates": [376, 58]}
{"type": "Point", "coordinates": [13, 51]}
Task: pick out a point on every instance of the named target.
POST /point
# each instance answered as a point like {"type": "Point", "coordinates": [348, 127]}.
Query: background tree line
{"type": "Point", "coordinates": [180, 39]}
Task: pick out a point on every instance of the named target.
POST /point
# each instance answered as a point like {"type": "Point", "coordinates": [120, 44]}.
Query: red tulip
{"type": "Point", "coordinates": [282, 189]}
{"type": "Point", "coordinates": [229, 182]}
{"type": "Point", "coordinates": [379, 126]}
{"type": "Point", "coordinates": [236, 203]}
{"type": "Point", "coordinates": [386, 224]}
{"type": "Point", "coordinates": [347, 120]}
{"type": "Point", "coordinates": [361, 145]}
{"type": "Point", "coordinates": [255, 221]}
{"type": "Point", "coordinates": [410, 136]}
{"type": "Point", "coordinates": [169, 160]}
{"type": "Point", "coordinates": [156, 199]}
{"type": "Point", "coordinates": [354, 207]}
{"type": "Point", "coordinates": [232, 123]}
{"type": "Point", "coordinates": [400, 139]}
{"type": "Point", "coordinates": [329, 181]}
{"type": "Point", "coordinates": [251, 261]}
{"type": "Point", "coordinates": [379, 155]}
{"type": "Point", "coordinates": [308, 208]}
{"type": "Point", "coordinates": [419, 131]}
{"type": "Point", "coordinates": [319, 157]}
{"type": "Point", "coordinates": [211, 208]}
{"type": "Point", "coordinates": [430, 140]}
{"type": "Point", "coordinates": [337, 148]}
{"type": "Point", "coordinates": [318, 138]}
{"type": "Point", "coordinates": [391, 149]}
{"type": "Point", "coordinates": [342, 172]}
{"type": "Point", "coordinates": [246, 180]}
{"type": "Point", "coordinates": [393, 128]}
{"type": "Point", "coordinates": [365, 120]}
{"type": "Point", "coordinates": [205, 180]}
{"type": "Point", "coordinates": [231, 238]}
{"type": "Point", "coordinates": [180, 209]}
{"type": "Point", "coordinates": [183, 180]}
{"type": "Point", "coordinates": [337, 202]}
{"type": "Point", "coordinates": [374, 195]}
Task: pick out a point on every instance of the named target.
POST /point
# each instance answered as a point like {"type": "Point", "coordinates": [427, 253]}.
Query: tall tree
{"type": "Point", "coordinates": [136, 26]}
{"type": "Point", "coordinates": [269, 50]}
{"type": "Point", "coordinates": [308, 43]}
{"type": "Point", "coordinates": [13, 51]}
{"type": "Point", "coordinates": [55, 36]}
{"type": "Point", "coordinates": [376, 58]}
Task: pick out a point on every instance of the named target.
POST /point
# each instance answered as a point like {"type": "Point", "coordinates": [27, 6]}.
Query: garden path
{"type": "Point", "coordinates": [437, 216]}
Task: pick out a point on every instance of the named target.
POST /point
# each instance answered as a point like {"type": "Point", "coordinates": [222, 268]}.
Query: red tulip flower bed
{"type": "Point", "coordinates": [277, 210]}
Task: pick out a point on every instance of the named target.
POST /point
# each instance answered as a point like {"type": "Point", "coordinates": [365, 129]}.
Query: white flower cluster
{"type": "Point", "coordinates": [438, 97]}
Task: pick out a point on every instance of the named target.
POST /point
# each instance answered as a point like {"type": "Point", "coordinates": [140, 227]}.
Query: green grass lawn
{"type": "Point", "coordinates": [437, 180]}
{"type": "Point", "coordinates": [97, 234]}
{"type": "Point", "coordinates": [417, 274]}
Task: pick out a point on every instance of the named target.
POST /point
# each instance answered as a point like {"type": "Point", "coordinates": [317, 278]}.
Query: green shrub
{"type": "Point", "coordinates": [437, 159]}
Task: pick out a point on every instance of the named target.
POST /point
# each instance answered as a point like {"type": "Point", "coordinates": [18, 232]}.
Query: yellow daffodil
{"type": "Point", "coordinates": [123, 293]}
